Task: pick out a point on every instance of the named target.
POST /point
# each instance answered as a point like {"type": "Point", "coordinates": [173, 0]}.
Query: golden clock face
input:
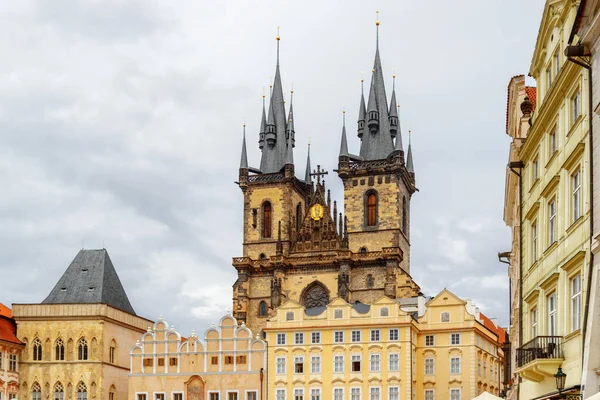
{"type": "Point", "coordinates": [316, 212]}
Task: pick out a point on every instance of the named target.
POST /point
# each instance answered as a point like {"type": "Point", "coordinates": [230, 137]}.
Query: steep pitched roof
{"type": "Point", "coordinates": [91, 278]}
{"type": "Point", "coordinates": [5, 311]}
{"type": "Point", "coordinates": [8, 330]}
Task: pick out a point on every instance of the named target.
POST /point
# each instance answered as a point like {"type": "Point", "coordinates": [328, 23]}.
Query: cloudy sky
{"type": "Point", "coordinates": [121, 123]}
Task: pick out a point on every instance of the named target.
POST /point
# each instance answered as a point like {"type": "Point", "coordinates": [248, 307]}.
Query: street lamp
{"type": "Point", "coordinates": [560, 380]}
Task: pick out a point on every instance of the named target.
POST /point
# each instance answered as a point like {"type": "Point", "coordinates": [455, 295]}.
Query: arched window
{"type": "Point", "coordinates": [59, 392]}
{"type": "Point", "coordinates": [371, 209]}
{"type": "Point", "coordinates": [37, 350]}
{"type": "Point", "coordinates": [262, 309]}
{"type": "Point", "coordinates": [315, 295]}
{"type": "Point", "coordinates": [298, 217]}
{"type": "Point", "coordinates": [36, 391]}
{"type": "Point", "coordinates": [369, 281]}
{"type": "Point", "coordinates": [267, 219]}
{"type": "Point", "coordinates": [112, 350]}
{"type": "Point", "coordinates": [82, 349]}
{"type": "Point", "coordinates": [81, 391]}
{"type": "Point", "coordinates": [112, 393]}
{"type": "Point", "coordinates": [59, 350]}
{"type": "Point", "coordinates": [404, 215]}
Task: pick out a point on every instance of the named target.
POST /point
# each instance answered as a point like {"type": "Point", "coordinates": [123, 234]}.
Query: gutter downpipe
{"type": "Point", "coordinates": [512, 166]}
{"type": "Point", "coordinates": [587, 66]}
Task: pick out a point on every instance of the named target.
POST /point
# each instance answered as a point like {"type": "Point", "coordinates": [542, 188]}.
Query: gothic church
{"type": "Point", "coordinates": [296, 244]}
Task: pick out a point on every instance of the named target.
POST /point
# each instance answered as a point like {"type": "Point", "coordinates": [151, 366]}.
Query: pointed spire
{"type": "Point", "coordinates": [393, 113]}
{"type": "Point", "coordinates": [344, 144]}
{"type": "Point", "coordinates": [409, 158]}
{"type": "Point", "coordinates": [244, 158]}
{"type": "Point", "coordinates": [399, 146]}
{"type": "Point", "coordinates": [307, 173]}
{"type": "Point", "coordinates": [377, 25]}
{"type": "Point", "coordinates": [289, 157]}
{"type": "Point", "coordinates": [263, 124]}
{"type": "Point", "coordinates": [362, 111]}
{"type": "Point", "coordinates": [290, 132]}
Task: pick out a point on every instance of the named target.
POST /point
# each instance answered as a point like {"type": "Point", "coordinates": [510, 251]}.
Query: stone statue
{"type": "Point", "coordinates": [343, 286]}
{"type": "Point", "coordinates": [276, 293]}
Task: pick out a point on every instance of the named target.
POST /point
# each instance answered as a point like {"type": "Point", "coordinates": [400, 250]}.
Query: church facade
{"type": "Point", "coordinates": [296, 244]}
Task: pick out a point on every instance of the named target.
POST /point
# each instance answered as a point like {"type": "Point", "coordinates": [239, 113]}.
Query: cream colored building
{"type": "Point", "coordinates": [555, 210]}
{"type": "Point", "coordinates": [228, 363]}
{"type": "Point", "coordinates": [386, 350]}
{"type": "Point", "coordinates": [520, 104]}
{"type": "Point", "coordinates": [77, 340]}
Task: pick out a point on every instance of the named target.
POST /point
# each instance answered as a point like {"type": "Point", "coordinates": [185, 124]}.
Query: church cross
{"type": "Point", "coordinates": [318, 173]}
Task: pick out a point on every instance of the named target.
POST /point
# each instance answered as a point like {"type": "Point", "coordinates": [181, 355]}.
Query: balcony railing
{"type": "Point", "coordinates": [541, 347]}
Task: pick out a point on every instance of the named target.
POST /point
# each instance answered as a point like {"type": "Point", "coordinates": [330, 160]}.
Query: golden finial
{"type": "Point", "coordinates": [377, 22]}
{"type": "Point", "coordinates": [244, 122]}
{"type": "Point", "coordinates": [362, 76]}
{"type": "Point", "coordinates": [373, 70]}
{"type": "Point", "coordinates": [292, 91]}
{"type": "Point", "coordinates": [394, 73]}
{"type": "Point", "coordinates": [271, 82]}
{"type": "Point", "coordinates": [277, 37]}
{"type": "Point", "coordinates": [263, 89]}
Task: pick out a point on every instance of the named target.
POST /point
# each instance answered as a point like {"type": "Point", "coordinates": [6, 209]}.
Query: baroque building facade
{"type": "Point", "coordinates": [228, 363]}
{"type": "Point", "coordinates": [10, 353]}
{"type": "Point", "coordinates": [77, 340]}
{"type": "Point", "coordinates": [552, 162]}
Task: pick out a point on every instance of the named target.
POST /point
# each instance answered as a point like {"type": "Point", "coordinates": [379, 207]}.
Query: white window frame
{"type": "Point", "coordinates": [164, 394]}
{"type": "Point", "coordinates": [452, 341]}
{"type": "Point", "coordinates": [575, 286]}
{"type": "Point", "coordinates": [336, 364]}
{"type": "Point", "coordinates": [316, 335]}
{"type": "Point", "coordinates": [281, 339]}
{"type": "Point", "coordinates": [534, 241]}
{"type": "Point", "coordinates": [334, 394]}
{"type": "Point", "coordinates": [315, 361]}
{"type": "Point", "coordinates": [358, 333]}
{"type": "Point", "coordinates": [552, 221]}
{"type": "Point", "coordinates": [452, 364]}
{"type": "Point", "coordinates": [459, 393]}
{"type": "Point", "coordinates": [534, 322]}
{"type": "Point", "coordinates": [551, 308]}
{"type": "Point", "coordinates": [338, 313]}
{"type": "Point", "coordinates": [375, 335]}
{"type": "Point", "coordinates": [427, 393]}
{"type": "Point", "coordinates": [374, 396]}
{"type": "Point", "coordinates": [396, 395]}
{"type": "Point", "coordinates": [298, 335]}
{"type": "Point", "coordinates": [375, 362]}
{"type": "Point", "coordinates": [335, 337]}
{"type": "Point", "coordinates": [228, 392]}
{"type": "Point", "coordinates": [352, 361]}
{"type": "Point", "coordinates": [137, 395]}
{"type": "Point", "coordinates": [298, 392]}
{"type": "Point", "coordinates": [575, 106]}
{"type": "Point", "coordinates": [247, 392]}
{"type": "Point", "coordinates": [353, 392]}
{"type": "Point", "coordinates": [397, 334]}
{"type": "Point", "coordinates": [315, 393]}
{"type": "Point", "coordinates": [428, 342]}
{"type": "Point", "coordinates": [391, 367]}
{"type": "Point", "coordinates": [277, 365]}
{"type": "Point", "coordinates": [217, 392]}
{"type": "Point", "coordinates": [278, 391]}
{"type": "Point", "coordinates": [301, 358]}
{"type": "Point", "coordinates": [429, 369]}
{"type": "Point", "coordinates": [174, 393]}
{"type": "Point", "coordinates": [576, 195]}
{"type": "Point", "coordinates": [443, 314]}
{"type": "Point", "coordinates": [552, 142]}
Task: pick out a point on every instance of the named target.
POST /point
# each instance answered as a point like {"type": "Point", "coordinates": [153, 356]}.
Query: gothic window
{"type": "Point", "coordinates": [82, 350]}
{"type": "Point", "coordinates": [315, 295]}
{"type": "Point", "coordinates": [369, 281]}
{"type": "Point", "coordinates": [81, 391]}
{"type": "Point", "coordinates": [37, 350]}
{"type": "Point", "coordinates": [262, 309]}
{"type": "Point", "coordinates": [59, 392]}
{"type": "Point", "coordinates": [371, 208]}
{"type": "Point", "coordinates": [404, 215]}
{"type": "Point", "coordinates": [298, 217]}
{"type": "Point", "coordinates": [267, 219]}
{"type": "Point", "coordinates": [59, 350]}
{"type": "Point", "coordinates": [36, 392]}
{"type": "Point", "coordinates": [112, 351]}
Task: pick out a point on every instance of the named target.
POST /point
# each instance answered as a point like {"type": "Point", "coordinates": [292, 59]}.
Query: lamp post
{"type": "Point", "coordinates": [561, 377]}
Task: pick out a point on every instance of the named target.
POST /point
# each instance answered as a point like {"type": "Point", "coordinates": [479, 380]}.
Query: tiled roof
{"type": "Point", "coordinates": [508, 96]}
{"type": "Point", "coordinates": [492, 327]}
{"type": "Point", "coordinates": [8, 330]}
{"type": "Point", "coordinates": [5, 311]}
{"type": "Point", "coordinates": [91, 278]}
{"type": "Point", "coordinates": [531, 92]}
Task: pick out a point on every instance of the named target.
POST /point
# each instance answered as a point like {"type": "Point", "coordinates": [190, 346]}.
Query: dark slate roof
{"type": "Point", "coordinates": [361, 308]}
{"type": "Point", "coordinates": [91, 278]}
{"type": "Point", "coordinates": [314, 311]}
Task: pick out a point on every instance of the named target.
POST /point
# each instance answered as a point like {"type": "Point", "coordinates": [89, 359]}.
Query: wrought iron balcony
{"type": "Point", "coordinates": [541, 347]}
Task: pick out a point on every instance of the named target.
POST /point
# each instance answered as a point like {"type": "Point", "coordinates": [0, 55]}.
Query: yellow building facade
{"type": "Point", "coordinates": [555, 228]}
{"type": "Point", "coordinates": [425, 349]}
{"type": "Point", "coordinates": [77, 341]}
{"type": "Point", "coordinates": [228, 363]}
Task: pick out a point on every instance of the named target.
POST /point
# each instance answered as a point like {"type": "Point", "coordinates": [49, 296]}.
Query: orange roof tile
{"type": "Point", "coordinates": [8, 330]}
{"type": "Point", "coordinates": [5, 311]}
{"type": "Point", "coordinates": [531, 92]}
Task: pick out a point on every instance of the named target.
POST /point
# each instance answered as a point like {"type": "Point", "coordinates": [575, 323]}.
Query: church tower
{"type": "Point", "coordinates": [296, 245]}
{"type": "Point", "coordinates": [378, 183]}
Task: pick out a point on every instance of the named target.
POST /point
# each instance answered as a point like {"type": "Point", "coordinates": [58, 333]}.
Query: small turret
{"type": "Point", "coordinates": [290, 133]}
{"type": "Point", "coordinates": [308, 170]}
{"type": "Point", "coordinates": [372, 112]}
{"type": "Point", "coordinates": [409, 158]}
{"type": "Point", "coordinates": [271, 131]}
{"type": "Point", "coordinates": [263, 126]}
{"type": "Point", "coordinates": [393, 115]}
{"type": "Point", "coordinates": [344, 143]}
{"type": "Point", "coordinates": [244, 157]}
{"type": "Point", "coordinates": [362, 111]}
